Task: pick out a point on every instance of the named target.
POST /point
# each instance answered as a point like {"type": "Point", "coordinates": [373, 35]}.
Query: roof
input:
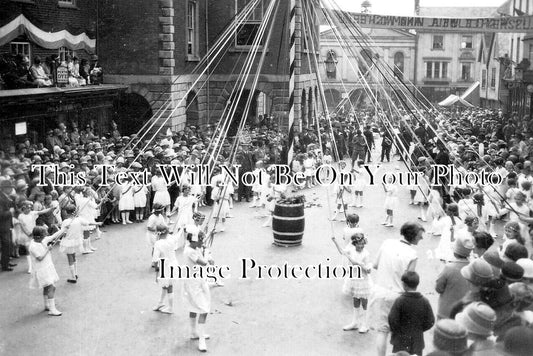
{"type": "Point", "coordinates": [458, 11]}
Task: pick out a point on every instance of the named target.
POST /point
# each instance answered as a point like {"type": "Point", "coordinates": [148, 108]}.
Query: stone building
{"type": "Point", "coordinates": [154, 46]}
{"type": "Point", "coordinates": [447, 62]}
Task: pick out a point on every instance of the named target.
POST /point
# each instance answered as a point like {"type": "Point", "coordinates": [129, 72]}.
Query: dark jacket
{"type": "Point", "coordinates": [6, 218]}
{"type": "Point", "coordinates": [410, 316]}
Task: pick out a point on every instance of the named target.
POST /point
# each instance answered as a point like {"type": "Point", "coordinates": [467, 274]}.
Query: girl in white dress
{"type": "Point", "coordinates": [44, 274]}
{"type": "Point", "coordinates": [359, 286]}
{"type": "Point", "coordinates": [26, 221]}
{"type": "Point", "coordinates": [360, 183]}
{"type": "Point", "coordinates": [391, 201]}
{"type": "Point", "coordinates": [421, 196]}
{"type": "Point", "coordinates": [126, 203]}
{"type": "Point", "coordinates": [196, 290]}
{"type": "Point", "coordinates": [73, 242]}
{"type": "Point", "coordinates": [139, 198]}
{"type": "Point", "coordinates": [451, 223]}
{"type": "Point", "coordinates": [277, 191]}
{"type": "Point", "coordinates": [309, 170]}
{"type": "Point", "coordinates": [157, 218]}
{"type": "Point", "coordinates": [161, 195]}
{"type": "Point", "coordinates": [165, 249]}
{"type": "Point", "coordinates": [86, 206]}
{"type": "Point", "coordinates": [435, 212]}
{"type": "Point", "coordinates": [256, 186]}
{"type": "Point", "coordinates": [185, 205]}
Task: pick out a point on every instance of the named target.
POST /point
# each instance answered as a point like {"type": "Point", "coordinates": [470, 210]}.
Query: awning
{"type": "Point", "coordinates": [472, 94]}
{"type": "Point", "coordinates": [455, 100]}
{"type": "Point", "coordinates": [50, 40]}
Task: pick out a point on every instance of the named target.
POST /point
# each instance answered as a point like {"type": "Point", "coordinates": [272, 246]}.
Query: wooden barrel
{"type": "Point", "coordinates": [288, 224]}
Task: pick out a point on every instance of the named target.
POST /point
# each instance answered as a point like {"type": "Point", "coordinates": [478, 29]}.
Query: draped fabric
{"type": "Point", "coordinates": [50, 40]}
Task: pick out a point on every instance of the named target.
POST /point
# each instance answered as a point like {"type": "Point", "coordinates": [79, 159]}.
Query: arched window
{"type": "Point", "coordinates": [331, 64]}
{"type": "Point", "coordinates": [398, 64]}
{"type": "Point", "coordinates": [191, 111]}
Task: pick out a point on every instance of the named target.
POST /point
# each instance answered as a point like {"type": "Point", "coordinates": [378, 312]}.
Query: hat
{"type": "Point", "coordinates": [477, 272]}
{"type": "Point", "coordinates": [514, 252]}
{"type": "Point", "coordinates": [496, 293]}
{"type": "Point", "coordinates": [6, 184]}
{"type": "Point", "coordinates": [527, 265]}
{"type": "Point", "coordinates": [512, 271]}
{"type": "Point", "coordinates": [518, 341]}
{"type": "Point", "coordinates": [493, 258]}
{"type": "Point", "coordinates": [136, 165]}
{"type": "Point", "coordinates": [449, 336]}
{"type": "Point", "coordinates": [477, 318]}
{"type": "Point", "coordinates": [463, 245]}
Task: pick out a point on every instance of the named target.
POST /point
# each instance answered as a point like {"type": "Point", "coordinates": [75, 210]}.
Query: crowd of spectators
{"type": "Point", "coordinates": [18, 72]}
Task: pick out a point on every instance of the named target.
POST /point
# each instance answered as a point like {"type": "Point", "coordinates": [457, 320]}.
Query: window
{"type": "Point", "coordinates": [518, 50]}
{"type": "Point", "coordinates": [483, 78]}
{"type": "Point", "coordinates": [531, 53]}
{"type": "Point", "coordinates": [438, 42]}
{"type": "Point", "coordinates": [466, 42]}
{"type": "Point", "coordinates": [398, 64]}
{"type": "Point", "coordinates": [466, 74]}
{"type": "Point", "coordinates": [192, 30]}
{"type": "Point", "coordinates": [436, 70]}
{"type": "Point", "coordinates": [248, 30]}
{"type": "Point", "coordinates": [63, 52]}
{"type": "Point", "coordinates": [20, 47]}
{"type": "Point", "coordinates": [331, 65]}
{"type": "Point", "coordinates": [493, 78]}
{"type": "Point", "coordinates": [67, 3]}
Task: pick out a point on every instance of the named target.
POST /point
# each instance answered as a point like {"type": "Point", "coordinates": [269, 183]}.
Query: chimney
{"type": "Point", "coordinates": [417, 7]}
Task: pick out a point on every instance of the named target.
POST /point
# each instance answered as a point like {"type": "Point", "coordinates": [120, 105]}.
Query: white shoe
{"type": "Point", "coordinates": [351, 326]}
{"type": "Point", "coordinates": [158, 307]}
{"type": "Point", "coordinates": [389, 225]}
{"type": "Point", "coordinates": [167, 310]}
{"type": "Point", "coordinates": [363, 329]}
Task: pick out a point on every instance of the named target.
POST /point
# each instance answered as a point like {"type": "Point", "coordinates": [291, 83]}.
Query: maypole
{"type": "Point", "coordinates": [292, 70]}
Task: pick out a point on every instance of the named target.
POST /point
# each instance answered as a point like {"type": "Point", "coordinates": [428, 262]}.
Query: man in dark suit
{"type": "Point", "coordinates": [245, 159]}
{"type": "Point", "coordinates": [7, 208]}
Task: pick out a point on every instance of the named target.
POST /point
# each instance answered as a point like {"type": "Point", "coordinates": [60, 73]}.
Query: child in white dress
{"type": "Point", "coordinates": [165, 253]}
{"type": "Point", "coordinates": [451, 223]}
{"type": "Point", "coordinates": [357, 287]}
{"type": "Point", "coordinates": [360, 184]}
{"type": "Point", "coordinates": [44, 274]}
{"type": "Point", "coordinates": [25, 223]}
{"type": "Point", "coordinates": [196, 290]}
{"type": "Point", "coordinates": [391, 201]}
{"type": "Point", "coordinates": [157, 218]}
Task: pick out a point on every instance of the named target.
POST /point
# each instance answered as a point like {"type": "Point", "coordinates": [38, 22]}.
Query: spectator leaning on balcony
{"type": "Point", "coordinates": [40, 78]}
{"type": "Point", "coordinates": [96, 72]}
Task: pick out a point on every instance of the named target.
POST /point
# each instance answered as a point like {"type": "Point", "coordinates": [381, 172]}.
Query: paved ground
{"type": "Point", "coordinates": [109, 311]}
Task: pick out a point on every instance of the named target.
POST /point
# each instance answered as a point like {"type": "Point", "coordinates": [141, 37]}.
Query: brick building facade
{"type": "Point", "coordinates": [40, 109]}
